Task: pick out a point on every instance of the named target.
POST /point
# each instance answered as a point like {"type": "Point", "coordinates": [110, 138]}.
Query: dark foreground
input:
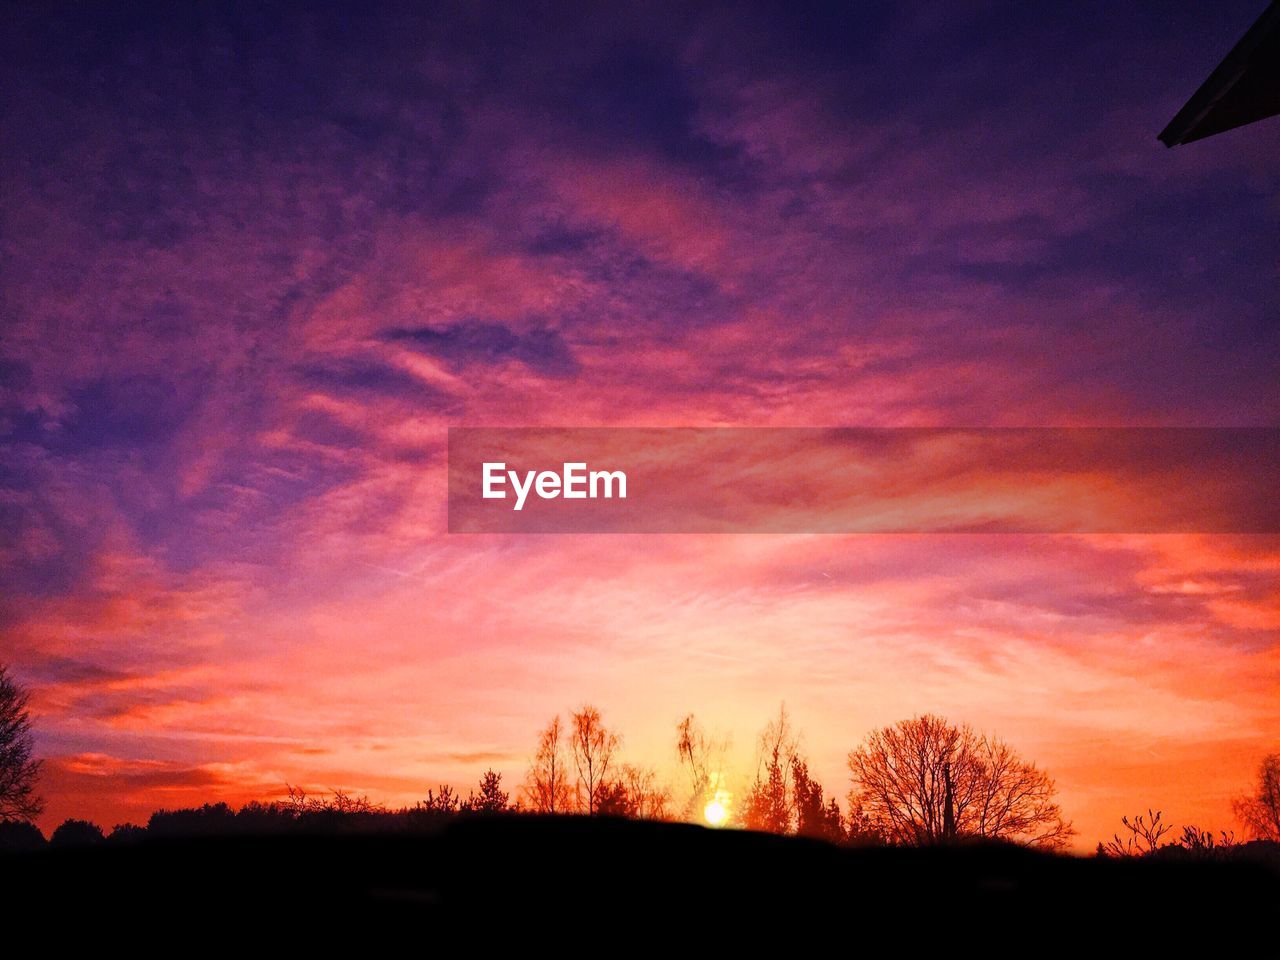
{"type": "Point", "coordinates": [551, 881]}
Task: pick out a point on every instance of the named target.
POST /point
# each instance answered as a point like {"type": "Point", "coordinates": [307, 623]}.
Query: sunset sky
{"type": "Point", "coordinates": [253, 265]}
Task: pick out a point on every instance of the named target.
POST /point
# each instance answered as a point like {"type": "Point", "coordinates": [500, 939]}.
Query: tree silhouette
{"type": "Point", "coordinates": [768, 805]}
{"type": "Point", "coordinates": [592, 745]}
{"type": "Point", "coordinates": [76, 833]}
{"type": "Point", "coordinates": [859, 829]}
{"type": "Point", "coordinates": [547, 785]}
{"type": "Point", "coordinates": [814, 817]}
{"type": "Point", "coordinates": [650, 800]}
{"type": "Point", "coordinates": [443, 802]}
{"type": "Point", "coordinates": [20, 835]}
{"type": "Point", "coordinates": [635, 793]}
{"type": "Point", "coordinates": [925, 781]}
{"type": "Point", "coordinates": [491, 798]}
{"type": "Point", "coordinates": [693, 751]}
{"type": "Point", "coordinates": [1261, 811]}
{"type": "Point", "coordinates": [128, 833]}
{"type": "Point", "coordinates": [18, 770]}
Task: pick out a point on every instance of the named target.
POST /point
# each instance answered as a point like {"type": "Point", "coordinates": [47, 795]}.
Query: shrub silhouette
{"type": "Point", "coordinates": [1143, 836]}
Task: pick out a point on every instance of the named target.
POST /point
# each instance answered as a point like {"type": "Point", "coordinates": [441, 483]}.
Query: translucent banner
{"type": "Point", "coordinates": [863, 480]}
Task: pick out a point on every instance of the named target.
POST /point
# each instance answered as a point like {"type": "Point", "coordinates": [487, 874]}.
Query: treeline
{"type": "Point", "coordinates": [336, 812]}
{"type": "Point", "coordinates": [920, 782]}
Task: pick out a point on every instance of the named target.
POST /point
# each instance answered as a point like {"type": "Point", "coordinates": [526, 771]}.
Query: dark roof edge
{"type": "Point", "coordinates": [1223, 78]}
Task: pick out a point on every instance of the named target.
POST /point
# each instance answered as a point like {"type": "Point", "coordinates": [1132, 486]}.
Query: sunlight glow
{"type": "Point", "coordinates": [715, 814]}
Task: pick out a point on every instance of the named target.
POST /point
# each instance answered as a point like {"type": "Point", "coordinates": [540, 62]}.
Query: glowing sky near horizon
{"type": "Point", "coordinates": [255, 264]}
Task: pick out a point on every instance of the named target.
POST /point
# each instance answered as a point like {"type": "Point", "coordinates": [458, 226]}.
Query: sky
{"type": "Point", "coordinates": [254, 263]}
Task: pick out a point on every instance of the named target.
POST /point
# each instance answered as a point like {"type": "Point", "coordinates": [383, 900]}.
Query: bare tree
{"type": "Point", "coordinates": [693, 752]}
{"type": "Point", "coordinates": [701, 756]}
{"type": "Point", "coordinates": [1014, 799]}
{"type": "Point", "coordinates": [592, 745]}
{"type": "Point", "coordinates": [18, 770]}
{"type": "Point", "coordinates": [925, 781]}
{"type": "Point", "coordinates": [1260, 813]}
{"type": "Point", "coordinates": [1143, 836]}
{"type": "Point", "coordinates": [548, 786]}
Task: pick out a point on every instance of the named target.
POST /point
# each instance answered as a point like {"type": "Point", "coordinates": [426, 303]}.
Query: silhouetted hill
{"type": "Point", "coordinates": [550, 877]}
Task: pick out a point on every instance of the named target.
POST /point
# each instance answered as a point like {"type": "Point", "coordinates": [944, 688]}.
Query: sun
{"type": "Point", "coordinates": [715, 813]}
